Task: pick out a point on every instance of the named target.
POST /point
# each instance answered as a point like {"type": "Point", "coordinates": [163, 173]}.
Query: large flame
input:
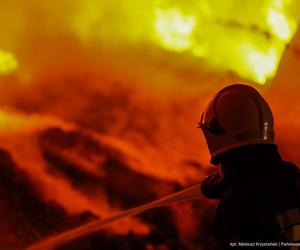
{"type": "Point", "coordinates": [226, 35]}
{"type": "Point", "coordinates": [247, 39]}
{"type": "Point", "coordinates": [174, 29]}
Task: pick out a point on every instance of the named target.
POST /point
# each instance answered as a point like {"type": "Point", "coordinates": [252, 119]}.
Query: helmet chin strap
{"type": "Point", "coordinates": [52, 242]}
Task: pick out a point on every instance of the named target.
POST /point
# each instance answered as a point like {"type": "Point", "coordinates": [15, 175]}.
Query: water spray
{"type": "Point", "coordinates": [52, 242]}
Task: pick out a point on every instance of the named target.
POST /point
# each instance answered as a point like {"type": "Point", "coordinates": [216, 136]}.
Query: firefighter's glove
{"type": "Point", "coordinates": [213, 186]}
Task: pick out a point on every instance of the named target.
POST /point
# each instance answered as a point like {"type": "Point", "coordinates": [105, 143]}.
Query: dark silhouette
{"type": "Point", "coordinates": [259, 192]}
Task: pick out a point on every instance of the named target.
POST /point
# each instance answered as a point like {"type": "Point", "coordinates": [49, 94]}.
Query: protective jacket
{"type": "Point", "coordinates": [259, 199]}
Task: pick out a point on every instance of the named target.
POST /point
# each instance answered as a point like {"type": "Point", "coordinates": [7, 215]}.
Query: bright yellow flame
{"type": "Point", "coordinates": [8, 63]}
{"type": "Point", "coordinates": [249, 41]}
{"type": "Point", "coordinates": [262, 64]}
{"type": "Point", "coordinates": [214, 30]}
{"type": "Point", "coordinates": [280, 25]}
{"type": "Point", "coordinates": [174, 29]}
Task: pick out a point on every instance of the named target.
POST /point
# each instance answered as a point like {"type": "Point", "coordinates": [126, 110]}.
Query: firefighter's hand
{"type": "Point", "coordinates": [213, 186]}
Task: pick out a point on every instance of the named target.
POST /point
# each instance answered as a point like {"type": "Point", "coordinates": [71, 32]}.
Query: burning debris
{"type": "Point", "coordinates": [92, 170]}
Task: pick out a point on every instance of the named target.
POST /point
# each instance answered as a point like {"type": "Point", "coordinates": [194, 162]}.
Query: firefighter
{"type": "Point", "coordinates": [258, 192]}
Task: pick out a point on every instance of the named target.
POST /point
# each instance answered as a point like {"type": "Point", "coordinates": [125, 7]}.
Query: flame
{"type": "Point", "coordinates": [263, 64]}
{"type": "Point", "coordinates": [174, 29]}
{"type": "Point", "coordinates": [251, 48]}
{"type": "Point", "coordinates": [203, 29]}
{"type": "Point", "coordinates": [8, 62]}
{"type": "Point", "coordinates": [281, 24]}
{"type": "Point", "coordinates": [13, 122]}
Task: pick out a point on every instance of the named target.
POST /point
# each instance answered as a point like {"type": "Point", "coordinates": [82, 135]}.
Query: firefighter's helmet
{"type": "Point", "coordinates": [236, 116]}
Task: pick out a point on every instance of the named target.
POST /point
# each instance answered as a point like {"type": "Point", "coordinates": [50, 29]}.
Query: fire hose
{"type": "Point", "coordinates": [52, 242]}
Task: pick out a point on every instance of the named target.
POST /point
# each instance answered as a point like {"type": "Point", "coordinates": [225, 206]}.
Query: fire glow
{"type": "Point", "coordinates": [8, 63]}
{"type": "Point", "coordinates": [247, 40]}
{"type": "Point", "coordinates": [251, 48]}
{"type": "Point", "coordinates": [99, 104]}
